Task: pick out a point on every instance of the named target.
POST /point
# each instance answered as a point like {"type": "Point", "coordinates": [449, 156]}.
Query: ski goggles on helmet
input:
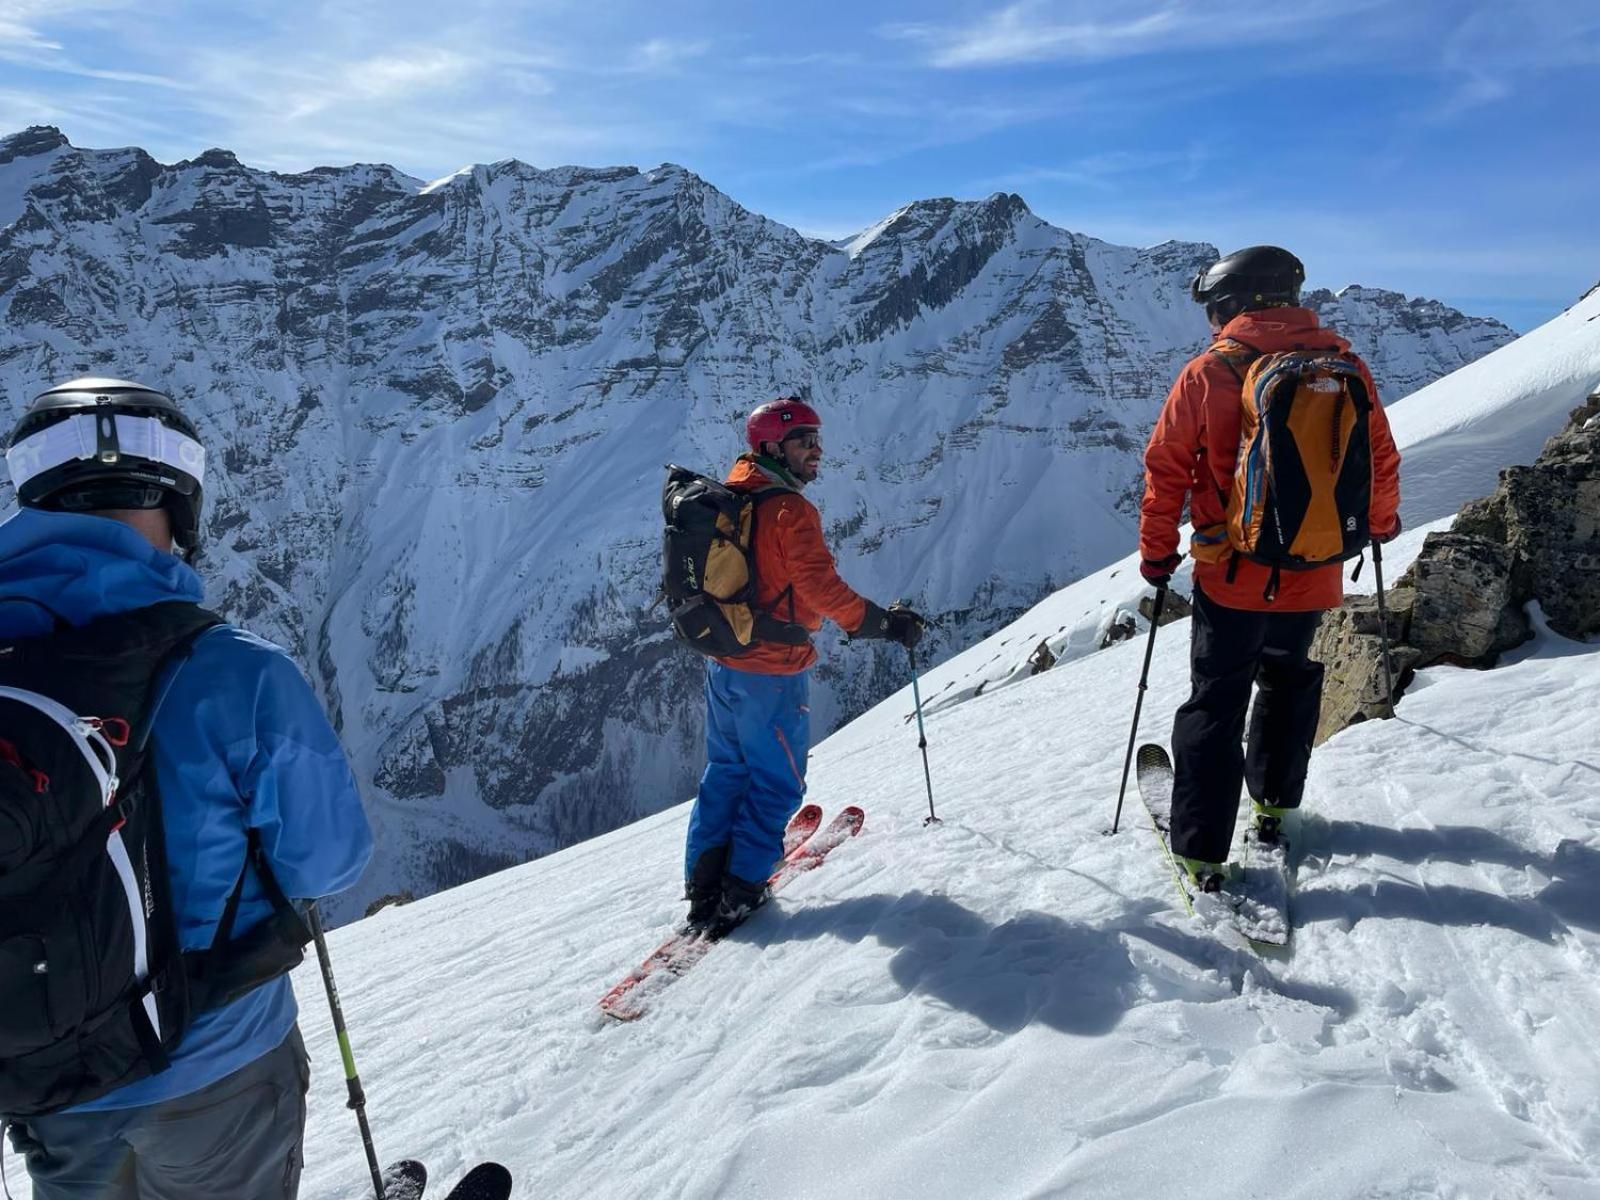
{"type": "Point", "coordinates": [87, 444]}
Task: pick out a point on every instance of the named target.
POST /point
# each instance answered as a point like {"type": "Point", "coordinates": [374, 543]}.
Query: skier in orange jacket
{"type": "Point", "coordinates": [758, 715]}
{"type": "Point", "coordinates": [1251, 625]}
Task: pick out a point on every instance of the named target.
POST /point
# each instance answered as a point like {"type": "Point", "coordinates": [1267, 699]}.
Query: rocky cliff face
{"type": "Point", "coordinates": [1406, 340]}
{"type": "Point", "coordinates": [1464, 601]}
{"type": "Point", "coordinates": [438, 415]}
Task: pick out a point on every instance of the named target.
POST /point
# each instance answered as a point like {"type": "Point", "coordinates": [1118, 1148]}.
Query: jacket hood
{"type": "Point", "coordinates": [1271, 329]}
{"type": "Point", "coordinates": [81, 567]}
{"type": "Point", "coordinates": [751, 471]}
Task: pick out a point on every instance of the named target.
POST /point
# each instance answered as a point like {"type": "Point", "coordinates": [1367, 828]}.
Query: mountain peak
{"type": "Point", "coordinates": [216, 158]}
{"type": "Point", "coordinates": [31, 142]}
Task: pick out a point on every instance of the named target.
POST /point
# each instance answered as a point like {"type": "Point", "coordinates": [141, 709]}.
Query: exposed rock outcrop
{"type": "Point", "coordinates": [1463, 602]}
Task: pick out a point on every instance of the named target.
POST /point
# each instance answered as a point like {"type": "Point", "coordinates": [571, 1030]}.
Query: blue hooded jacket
{"type": "Point", "coordinates": [240, 742]}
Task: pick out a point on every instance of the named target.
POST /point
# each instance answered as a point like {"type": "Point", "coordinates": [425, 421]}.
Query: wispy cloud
{"type": "Point", "coordinates": [666, 54]}
{"type": "Point", "coordinates": [19, 25]}
{"type": "Point", "coordinates": [1108, 171]}
{"type": "Point", "coordinates": [1033, 31]}
{"type": "Point", "coordinates": [24, 42]}
{"type": "Point", "coordinates": [389, 77]}
{"type": "Point", "coordinates": [1484, 62]}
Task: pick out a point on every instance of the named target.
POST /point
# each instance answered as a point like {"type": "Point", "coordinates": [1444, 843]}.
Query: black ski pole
{"type": "Point", "coordinates": [922, 737]}
{"type": "Point", "coordinates": [1383, 623]}
{"type": "Point", "coordinates": [1144, 683]}
{"type": "Point", "coordinates": [358, 1098]}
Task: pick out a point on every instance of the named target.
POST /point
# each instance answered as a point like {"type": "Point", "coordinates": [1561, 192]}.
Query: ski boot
{"type": "Point", "coordinates": [703, 889]}
{"type": "Point", "coordinates": [739, 899]}
{"type": "Point", "coordinates": [1267, 822]}
{"type": "Point", "coordinates": [1203, 876]}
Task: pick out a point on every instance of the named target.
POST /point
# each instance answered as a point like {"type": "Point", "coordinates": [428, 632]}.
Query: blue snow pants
{"type": "Point", "coordinates": [758, 731]}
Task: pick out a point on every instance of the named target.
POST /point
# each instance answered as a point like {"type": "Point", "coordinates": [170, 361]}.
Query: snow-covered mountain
{"type": "Point", "coordinates": [1010, 1004]}
{"type": "Point", "coordinates": [438, 414]}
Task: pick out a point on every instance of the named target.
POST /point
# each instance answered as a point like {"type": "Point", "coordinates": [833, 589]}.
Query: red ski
{"type": "Point", "coordinates": [804, 849]}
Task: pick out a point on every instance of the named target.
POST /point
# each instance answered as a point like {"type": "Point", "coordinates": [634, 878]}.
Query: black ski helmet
{"type": "Point", "coordinates": [91, 444]}
{"type": "Point", "coordinates": [1255, 277]}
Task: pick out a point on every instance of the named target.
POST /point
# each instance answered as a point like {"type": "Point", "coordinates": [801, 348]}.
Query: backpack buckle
{"type": "Point", "coordinates": [114, 729]}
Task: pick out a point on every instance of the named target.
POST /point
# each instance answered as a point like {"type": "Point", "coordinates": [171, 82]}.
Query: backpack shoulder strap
{"type": "Point", "coordinates": [195, 624]}
{"type": "Point", "coordinates": [1236, 354]}
{"type": "Point", "coordinates": [57, 621]}
{"type": "Point", "coordinates": [769, 625]}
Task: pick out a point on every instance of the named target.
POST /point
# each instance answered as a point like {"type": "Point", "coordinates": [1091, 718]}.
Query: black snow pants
{"type": "Point", "coordinates": [1231, 649]}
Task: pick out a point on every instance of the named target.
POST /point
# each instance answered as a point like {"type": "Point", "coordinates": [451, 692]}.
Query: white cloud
{"type": "Point", "coordinates": [666, 54]}
{"type": "Point", "coordinates": [1033, 31]}
{"type": "Point", "coordinates": [385, 78]}
{"type": "Point", "coordinates": [19, 25]}
{"type": "Point", "coordinates": [24, 42]}
{"type": "Point", "coordinates": [1106, 171]}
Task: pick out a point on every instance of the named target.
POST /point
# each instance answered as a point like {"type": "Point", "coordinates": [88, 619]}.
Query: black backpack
{"type": "Point", "coordinates": [94, 993]}
{"type": "Point", "coordinates": [708, 568]}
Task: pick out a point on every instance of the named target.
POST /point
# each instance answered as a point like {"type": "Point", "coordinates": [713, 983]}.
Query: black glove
{"type": "Point", "coordinates": [897, 624]}
{"type": "Point", "coordinates": [1158, 572]}
{"type": "Point", "coordinates": [905, 626]}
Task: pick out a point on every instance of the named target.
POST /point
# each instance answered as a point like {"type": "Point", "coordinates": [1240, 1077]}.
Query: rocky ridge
{"type": "Point", "coordinates": [1465, 600]}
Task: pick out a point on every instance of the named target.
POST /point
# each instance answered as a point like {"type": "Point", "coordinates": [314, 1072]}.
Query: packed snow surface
{"type": "Point", "coordinates": [1009, 1004]}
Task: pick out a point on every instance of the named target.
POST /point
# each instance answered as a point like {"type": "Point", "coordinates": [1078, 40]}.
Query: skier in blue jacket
{"type": "Point", "coordinates": [241, 743]}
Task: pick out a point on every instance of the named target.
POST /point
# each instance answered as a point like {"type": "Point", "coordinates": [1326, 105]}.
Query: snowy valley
{"type": "Point", "coordinates": [416, 392]}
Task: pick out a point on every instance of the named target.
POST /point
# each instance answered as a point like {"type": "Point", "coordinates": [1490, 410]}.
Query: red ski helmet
{"type": "Point", "coordinates": [777, 419]}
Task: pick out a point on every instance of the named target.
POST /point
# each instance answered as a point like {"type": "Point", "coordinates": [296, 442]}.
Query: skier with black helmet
{"type": "Point", "coordinates": [758, 717]}
{"type": "Point", "coordinates": [168, 1061]}
{"type": "Point", "coordinates": [1276, 439]}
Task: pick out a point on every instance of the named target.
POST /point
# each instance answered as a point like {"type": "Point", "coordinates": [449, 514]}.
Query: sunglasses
{"type": "Point", "coordinates": [806, 441]}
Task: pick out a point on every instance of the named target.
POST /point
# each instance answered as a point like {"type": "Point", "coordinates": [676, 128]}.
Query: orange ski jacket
{"type": "Point", "coordinates": [1195, 444]}
{"type": "Point", "coordinates": [796, 579]}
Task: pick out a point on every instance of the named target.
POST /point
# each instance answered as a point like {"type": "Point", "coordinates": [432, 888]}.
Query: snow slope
{"type": "Point", "coordinates": [1459, 431]}
{"type": "Point", "coordinates": [1008, 1004]}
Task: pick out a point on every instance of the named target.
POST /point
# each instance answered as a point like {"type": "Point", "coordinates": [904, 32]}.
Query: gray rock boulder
{"type": "Point", "coordinates": [1537, 538]}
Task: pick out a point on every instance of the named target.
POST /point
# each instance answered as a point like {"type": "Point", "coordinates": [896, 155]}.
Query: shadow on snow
{"type": "Point", "coordinates": [1570, 899]}
{"type": "Point", "coordinates": [1077, 978]}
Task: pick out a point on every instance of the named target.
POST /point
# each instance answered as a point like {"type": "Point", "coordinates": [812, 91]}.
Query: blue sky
{"type": "Point", "coordinates": [1430, 146]}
